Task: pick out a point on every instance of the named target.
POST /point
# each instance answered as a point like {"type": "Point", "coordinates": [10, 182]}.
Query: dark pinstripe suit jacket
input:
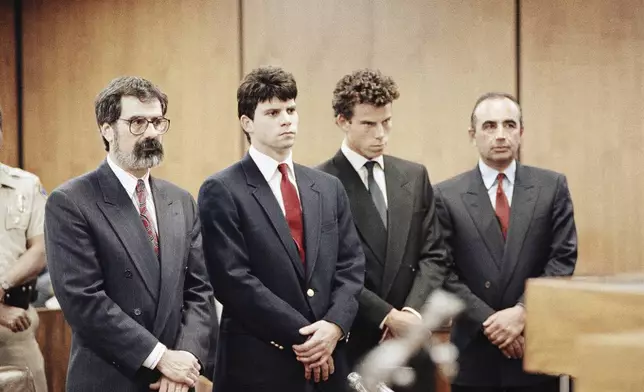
{"type": "Point", "coordinates": [119, 299]}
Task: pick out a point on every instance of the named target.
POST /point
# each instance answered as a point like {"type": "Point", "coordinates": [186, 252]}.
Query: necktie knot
{"type": "Point", "coordinates": [140, 191]}
{"type": "Point", "coordinates": [369, 165]}
{"type": "Point", "coordinates": [283, 169]}
{"type": "Point", "coordinates": [499, 181]}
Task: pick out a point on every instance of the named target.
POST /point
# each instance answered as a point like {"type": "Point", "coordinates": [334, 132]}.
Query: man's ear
{"type": "Point", "coordinates": [342, 122]}
{"type": "Point", "coordinates": [107, 132]}
{"type": "Point", "coordinates": [472, 133]}
{"type": "Point", "coordinates": [246, 123]}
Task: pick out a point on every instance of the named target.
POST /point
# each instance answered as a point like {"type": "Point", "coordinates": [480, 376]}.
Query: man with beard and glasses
{"type": "Point", "coordinates": [125, 257]}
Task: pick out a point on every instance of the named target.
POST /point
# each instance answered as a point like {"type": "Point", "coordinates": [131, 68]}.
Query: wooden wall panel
{"type": "Point", "coordinates": [442, 54]}
{"type": "Point", "coordinates": [8, 96]}
{"type": "Point", "coordinates": [583, 99]}
{"type": "Point", "coordinates": [72, 49]}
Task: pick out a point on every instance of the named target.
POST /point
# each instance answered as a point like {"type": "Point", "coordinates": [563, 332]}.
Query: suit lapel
{"type": "Point", "coordinates": [311, 213]}
{"type": "Point", "coordinates": [118, 209]}
{"type": "Point", "coordinates": [524, 199]}
{"type": "Point", "coordinates": [477, 203]}
{"type": "Point", "coordinates": [365, 214]}
{"type": "Point", "coordinates": [264, 195]}
{"type": "Point", "coordinates": [169, 222]}
{"type": "Point", "coordinates": [400, 211]}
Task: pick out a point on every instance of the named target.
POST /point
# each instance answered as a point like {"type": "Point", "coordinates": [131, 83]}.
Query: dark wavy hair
{"type": "Point", "coordinates": [365, 86]}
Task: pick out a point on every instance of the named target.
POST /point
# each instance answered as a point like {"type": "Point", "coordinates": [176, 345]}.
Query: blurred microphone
{"type": "Point", "coordinates": [355, 382]}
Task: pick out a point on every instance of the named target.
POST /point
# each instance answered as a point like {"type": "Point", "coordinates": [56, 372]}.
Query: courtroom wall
{"type": "Point", "coordinates": [582, 84]}
{"type": "Point", "coordinates": [72, 49]}
{"type": "Point", "coordinates": [577, 67]}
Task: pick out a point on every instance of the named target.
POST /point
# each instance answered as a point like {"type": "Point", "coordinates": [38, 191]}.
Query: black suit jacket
{"type": "Point", "coordinates": [490, 273]}
{"type": "Point", "coordinates": [267, 293]}
{"type": "Point", "coordinates": [406, 261]}
{"type": "Point", "coordinates": [119, 299]}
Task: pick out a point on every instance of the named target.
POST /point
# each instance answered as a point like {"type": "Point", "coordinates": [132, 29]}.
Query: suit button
{"type": "Point", "coordinates": [128, 274]}
{"type": "Point", "coordinates": [281, 348]}
{"type": "Point", "coordinates": [487, 284]}
{"type": "Point", "coordinates": [310, 292]}
{"type": "Point", "coordinates": [137, 312]}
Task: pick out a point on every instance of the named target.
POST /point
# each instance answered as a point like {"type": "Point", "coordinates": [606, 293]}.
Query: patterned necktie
{"type": "Point", "coordinates": [502, 206]}
{"type": "Point", "coordinates": [376, 193]}
{"type": "Point", "coordinates": [145, 216]}
{"type": "Point", "coordinates": [293, 209]}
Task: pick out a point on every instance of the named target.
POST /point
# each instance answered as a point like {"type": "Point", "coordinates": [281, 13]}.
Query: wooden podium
{"type": "Point", "coordinates": [591, 328]}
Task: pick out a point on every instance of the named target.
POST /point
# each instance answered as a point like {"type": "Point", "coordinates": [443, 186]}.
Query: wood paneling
{"type": "Point", "coordinates": [8, 96]}
{"type": "Point", "coordinates": [443, 55]}
{"type": "Point", "coordinates": [54, 337]}
{"type": "Point", "coordinates": [72, 49]}
{"type": "Point", "coordinates": [583, 98]}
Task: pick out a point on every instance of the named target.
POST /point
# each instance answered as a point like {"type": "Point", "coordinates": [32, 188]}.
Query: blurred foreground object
{"type": "Point", "coordinates": [386, 364]}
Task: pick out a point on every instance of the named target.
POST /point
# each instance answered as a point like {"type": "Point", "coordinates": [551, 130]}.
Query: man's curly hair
{"type": "Point", "coordinates": [365, 86]}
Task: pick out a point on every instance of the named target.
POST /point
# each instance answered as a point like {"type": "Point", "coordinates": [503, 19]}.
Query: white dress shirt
{"type": "Point", "coordinates": [490, 180]}
{"type": "Point", "coordinates": [129, 183]}
{"type": "Point", "coordinates": [268, 167]}
{"type": "Point", "coordinates": [357, 161]}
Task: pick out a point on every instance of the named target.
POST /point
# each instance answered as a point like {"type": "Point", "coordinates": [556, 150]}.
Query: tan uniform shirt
{"type": "Point", "coordinates": [22, 214]}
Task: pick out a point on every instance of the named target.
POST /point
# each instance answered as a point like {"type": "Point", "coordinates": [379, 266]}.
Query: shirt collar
{"type": "Point", "coordinates": [267, 165]}
{"type": "Point", "coordinates": [356, 160]}
{"type": "Point", "coordinates": [489, 174]}
{"type": "Point", "coordinates": [126, 179]}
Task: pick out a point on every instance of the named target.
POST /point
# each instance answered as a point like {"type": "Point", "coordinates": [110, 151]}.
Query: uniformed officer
{"type": "Point", "coordinates": [22, 258]}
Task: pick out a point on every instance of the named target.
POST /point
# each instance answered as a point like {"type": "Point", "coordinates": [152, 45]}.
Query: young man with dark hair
{"type": "Point", "coordinates": [503, 222]}
{"type": "Point", "coordinates": [281, 248]}
{"type": "Point", "coordinates": [125, 257]}
{"type": "Point", "coordinates": [393, 207]}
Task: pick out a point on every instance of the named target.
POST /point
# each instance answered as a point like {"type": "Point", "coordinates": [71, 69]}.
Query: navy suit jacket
{"type": "Point", "coordinates": [267, 292]}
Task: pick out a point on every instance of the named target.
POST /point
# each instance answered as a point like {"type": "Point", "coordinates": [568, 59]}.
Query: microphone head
{"type": "Point", "coordinates": [354, 379]}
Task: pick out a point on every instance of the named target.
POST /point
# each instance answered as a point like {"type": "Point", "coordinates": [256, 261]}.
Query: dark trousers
{"type": "Point", "coordinates": [548, 386]}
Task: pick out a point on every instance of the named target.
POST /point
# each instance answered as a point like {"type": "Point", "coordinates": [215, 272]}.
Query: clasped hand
{"type": "Point", "coordinates": [316, 352]}
{"type": "Point", "coordinates": [504, 329]}
{"type": "Point", "coordinates": [180, 370]}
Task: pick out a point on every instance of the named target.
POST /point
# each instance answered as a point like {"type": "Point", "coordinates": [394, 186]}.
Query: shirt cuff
{"type": "Point", "coordinates": [384, 320]}
{"type": "Point", "coordinates": [153, 359]}
{"type": "Point", "coordinates": [412, 311]}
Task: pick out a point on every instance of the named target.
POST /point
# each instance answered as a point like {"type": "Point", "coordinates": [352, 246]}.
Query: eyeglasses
{"type": "Point", "coordinates": [138, 125]}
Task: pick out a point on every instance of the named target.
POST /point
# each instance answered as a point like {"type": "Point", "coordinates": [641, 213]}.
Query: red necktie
{"type": "Point", "coordinates": [502, 206]}
{"type": "Point", "coordinates": [292, 209]}
{"type": "Point", "coordinates": [145, 216]}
